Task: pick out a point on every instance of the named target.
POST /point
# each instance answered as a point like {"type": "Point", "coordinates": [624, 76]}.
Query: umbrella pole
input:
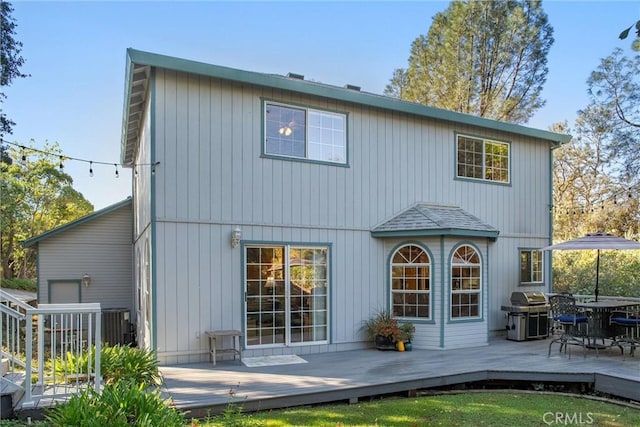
{"type": "Point", "coordinates": [597, 291]}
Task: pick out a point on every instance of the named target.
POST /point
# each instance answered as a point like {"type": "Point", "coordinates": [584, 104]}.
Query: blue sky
{"type": "Point", "coordinates": [75, 54]}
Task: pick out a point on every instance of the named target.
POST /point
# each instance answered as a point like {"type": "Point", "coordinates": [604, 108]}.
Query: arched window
{"type": "Point", "coordinates": [466, 283]}
{"type": "Point", "coordinates": [411, 282]}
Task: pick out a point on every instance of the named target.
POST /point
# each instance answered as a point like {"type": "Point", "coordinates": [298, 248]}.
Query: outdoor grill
{"type": "Point", "coordinates": [528, 316]}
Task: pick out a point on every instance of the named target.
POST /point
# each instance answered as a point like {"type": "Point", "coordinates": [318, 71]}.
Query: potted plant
{"type": "Point", "coordinates": [406, 334]}
{"type": "Point", "coordinates": [385, 331]}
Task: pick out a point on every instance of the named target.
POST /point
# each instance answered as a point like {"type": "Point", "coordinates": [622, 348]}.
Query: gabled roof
{"type": "Point", "coordinates": [434, 220]}
{"type": "Point", "coordinates": [138, 73]}
{"type": "Point", "coordinates": [32, 241]}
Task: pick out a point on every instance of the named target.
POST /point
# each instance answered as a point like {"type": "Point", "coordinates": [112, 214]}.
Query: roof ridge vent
{"type": "Point", "coordinates": [295, 76]}
{"type": "Point", "coordinates": [352, 87]}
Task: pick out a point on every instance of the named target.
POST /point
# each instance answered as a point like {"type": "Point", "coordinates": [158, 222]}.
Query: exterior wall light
{"type": "Point", "coordinates": [235, 237]}
{"type": "Point", "coordinates": [86, 279]}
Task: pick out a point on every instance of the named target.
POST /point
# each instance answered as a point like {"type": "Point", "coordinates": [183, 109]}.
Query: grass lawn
{"type": "Point", "coordinates": [465, 409]}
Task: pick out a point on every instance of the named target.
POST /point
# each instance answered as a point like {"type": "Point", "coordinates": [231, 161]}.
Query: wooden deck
{"type": "Point", "coordinates": [203, 388]}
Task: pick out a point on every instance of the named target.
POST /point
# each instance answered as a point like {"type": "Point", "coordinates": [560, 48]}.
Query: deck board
{"type": "Point", "coordinates": [348, 375]}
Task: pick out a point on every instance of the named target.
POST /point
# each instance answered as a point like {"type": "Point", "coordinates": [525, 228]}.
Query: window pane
{"type": "Point", "coordinates": [285, 131]}
{"type": "Point", "coordinates": [327, 136]}
{"type": "Point", "coordinates": [465, 283]}
{"type": "Point", "coordinates": [410, 282]}
{"type": "Point", "coordinates": [482, 159]}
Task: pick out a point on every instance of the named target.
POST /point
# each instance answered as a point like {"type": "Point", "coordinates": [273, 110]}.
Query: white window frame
{"type": "Point", "coordinates": [287, 326]}
{"type": "Point", "coordinates": [323, 133]}
{"type": "Point", "coordinates": [477, 291]}
{"type": "Point", "coordinates": [417, 265]}
{"type": "Point", "coordinates": [487, 170]}
{"type": "Point", "coordinates": [536, 257]}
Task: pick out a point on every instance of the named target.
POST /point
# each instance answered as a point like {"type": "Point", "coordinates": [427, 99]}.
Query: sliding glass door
{"type": "Point", "coordinates": [286, 295]}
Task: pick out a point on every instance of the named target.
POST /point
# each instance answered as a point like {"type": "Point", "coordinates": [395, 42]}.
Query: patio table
{"type": "Point", "coordinates": [599, 327]}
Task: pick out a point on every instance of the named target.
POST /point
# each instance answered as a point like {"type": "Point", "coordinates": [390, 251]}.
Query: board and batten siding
{"type": "Point", "coordinates": [208, 136]}
{"type": "Point", "coordinates": [143, 243]}
{"type": "Point", "coordinates": [101, 248]}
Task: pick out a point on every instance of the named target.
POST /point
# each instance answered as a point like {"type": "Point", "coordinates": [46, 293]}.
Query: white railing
{"type": "Point", "coordinates": [68, 336]}
{"type": "Point", "coordinates": [12, 341]}
{"type": "Point", "coordinates": [58, 344]}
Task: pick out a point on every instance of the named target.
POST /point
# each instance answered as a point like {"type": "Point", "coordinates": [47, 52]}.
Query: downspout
{"type": "Point", "coordinates": [548, 255]}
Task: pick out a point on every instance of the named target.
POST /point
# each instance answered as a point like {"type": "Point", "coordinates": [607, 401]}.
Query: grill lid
{"type": "Point", "coordinates": [528, 298]}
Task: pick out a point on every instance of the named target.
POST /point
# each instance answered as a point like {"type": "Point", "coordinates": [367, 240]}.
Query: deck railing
{"type": "Point", "coordinates": [12, 341]}
{"type": "Point", "coordinates": [586, 298]}
{"type": "Point", "coordinates": [52, 351]}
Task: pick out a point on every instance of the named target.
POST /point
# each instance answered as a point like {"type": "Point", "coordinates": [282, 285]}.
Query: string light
{"type": "Point", "coordinates": [62, 159]}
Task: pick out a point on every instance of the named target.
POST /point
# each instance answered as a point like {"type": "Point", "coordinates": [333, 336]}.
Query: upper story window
{"type": "Point", "coordinates": [411, 282]}
{"type": "Point", "coordinates": [305, 133]}
{"type": "Point", "coordinates": [482, 159]}
{"type": "Point", "coordinates": [530, 266]}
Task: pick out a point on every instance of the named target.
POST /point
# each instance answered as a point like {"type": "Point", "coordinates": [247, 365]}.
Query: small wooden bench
{"type": "Point", "coordinates": [236, 346]}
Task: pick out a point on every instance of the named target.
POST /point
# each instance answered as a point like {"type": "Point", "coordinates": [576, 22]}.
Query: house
{"type": "Point", "coordinates": [89, 260]}
{"type": "Point", "coordinates": [293, 210]}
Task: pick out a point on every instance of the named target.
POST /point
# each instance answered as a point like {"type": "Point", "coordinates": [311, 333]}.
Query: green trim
{"type": "Point", "coordinates": [77, 222]}
{"type": "Point", "coordinates": [440, 232]}
{"type": "Point", "coordinates": [544, 265]}
{"type": "Point", "coordinates": [484, 140]}
{"type": "Point", "coordinates": [548, 258]}
{"type": "Point", "coordinates": [38, 294]}
{"type": "Point", "coordinates": [330, 277]}
{"type": "Point", "coordinates": [483, 266]}
{"type": "Point", "coordinates": [442, 291]}
{"type": "Point", "coordinates": [141, 58]}
{"type": "Point", "coordinates": [50, 282]}
{"type": "Point", "coordinates": [415, 320]}
{"type": "Point", "coordinates": [152, 219]}
{"type": "Point", "coordinates": [263, 142]}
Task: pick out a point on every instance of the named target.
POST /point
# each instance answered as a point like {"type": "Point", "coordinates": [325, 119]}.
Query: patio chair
{"type": "Point", "coordinates": [569, 321]}
{"type": "Point", "coordinates": [627, 324]}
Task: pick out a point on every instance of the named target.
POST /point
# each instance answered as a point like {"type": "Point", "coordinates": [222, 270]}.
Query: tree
{"type": "Point", "coordinates": [635, 45]}
{"type": "Point", "coordinates": [34, 198]}
{"type": "Point", "coordinates": [588, 194]}
{"type": "Point", "coordinates": [487, 58]}
{"type": "Point", "coordinates": [10, 63]}
{"type": "Point", "coordinates": [615, 85]}
{"type": "Point", "coordinates": [397, 84]}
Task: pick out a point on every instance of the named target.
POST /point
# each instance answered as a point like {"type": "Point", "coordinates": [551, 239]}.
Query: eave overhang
{"type": "Point", "coordinates": [140, 63]}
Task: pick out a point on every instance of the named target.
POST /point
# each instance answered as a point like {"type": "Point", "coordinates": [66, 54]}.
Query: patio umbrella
{"type": "Point", "coordinates": [597, 241]}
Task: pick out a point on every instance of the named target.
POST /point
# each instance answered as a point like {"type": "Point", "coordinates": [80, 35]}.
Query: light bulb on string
{"type": "Point", "coordinates": [23, 162]}
{"type": "Point", "coordinates": [91, 169]}
{"type": "Point", "coordinates": [117, 173]}
{"type": "Point", "coordinates": [61, 164]}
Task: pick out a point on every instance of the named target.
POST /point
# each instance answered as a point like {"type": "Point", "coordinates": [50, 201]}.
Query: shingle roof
{"type": "Point", "coordinates": [434, 220]}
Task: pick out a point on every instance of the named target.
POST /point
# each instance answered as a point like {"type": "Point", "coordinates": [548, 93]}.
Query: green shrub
{"type": "Point", "coordinates": [17, 283]}
{"type": "Point", "coordinates": [116, 363]}
{"type": "Point", "coordinates": [122, 403]}
{"type": "Point", "coordinates": [133, 364]}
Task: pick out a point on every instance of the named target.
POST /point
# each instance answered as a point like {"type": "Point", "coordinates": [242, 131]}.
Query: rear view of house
{"type": "Point", "coordinates": [293, 210]}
